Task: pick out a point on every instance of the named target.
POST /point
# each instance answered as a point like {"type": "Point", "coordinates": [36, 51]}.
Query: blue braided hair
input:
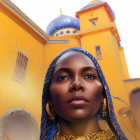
{"type": "Point", "coordinates": [50, 128]}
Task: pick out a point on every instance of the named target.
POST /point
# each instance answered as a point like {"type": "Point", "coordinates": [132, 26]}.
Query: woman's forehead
{"type": "Point", "coordinates": [73, 57]}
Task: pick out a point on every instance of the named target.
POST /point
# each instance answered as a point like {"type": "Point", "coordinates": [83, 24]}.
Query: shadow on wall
{"type": "Point", "coordinates": [18, 124]}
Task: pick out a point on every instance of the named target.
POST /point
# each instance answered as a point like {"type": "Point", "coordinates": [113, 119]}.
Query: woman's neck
{"type": "Point", "coordinates": [79, 127]}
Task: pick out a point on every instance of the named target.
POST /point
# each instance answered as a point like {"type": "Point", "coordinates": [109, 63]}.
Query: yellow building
{"type": "Point", "coordinates": [26, 52]}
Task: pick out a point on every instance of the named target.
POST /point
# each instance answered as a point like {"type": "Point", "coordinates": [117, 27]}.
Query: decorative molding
{"type": "Point", "coordinates": [57, 42]}
{"type": "Point", "coordinates": [132, 79]}
{"type": "Point", "coordinates": [66, 31]}
{"type": "Point", "coordinates": [96, 29]}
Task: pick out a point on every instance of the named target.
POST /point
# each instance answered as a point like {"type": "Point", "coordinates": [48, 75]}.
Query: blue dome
{"type": "Point", "coordinates": [95, 4]}
{"type": "Point", "coordinates": [62, 22]}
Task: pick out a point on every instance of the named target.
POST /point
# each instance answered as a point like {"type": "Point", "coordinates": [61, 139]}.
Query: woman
{"type": "Point", "coordinates": [76, 96]}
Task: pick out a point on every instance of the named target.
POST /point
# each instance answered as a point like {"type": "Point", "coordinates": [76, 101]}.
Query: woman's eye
{"type": "Point", "coordinates": [89, 77]}
{"type": "Point", "coordinates": [62, 78]}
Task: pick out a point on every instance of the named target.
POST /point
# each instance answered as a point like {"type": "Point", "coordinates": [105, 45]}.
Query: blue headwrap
{"type": "Point", "coordinates": [50, 128]}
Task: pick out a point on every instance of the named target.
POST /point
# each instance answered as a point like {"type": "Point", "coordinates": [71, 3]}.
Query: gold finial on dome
{"type": "Point", "coordinates": [61, 12]}
{"type": "Point", "coordinates": [94, 1]}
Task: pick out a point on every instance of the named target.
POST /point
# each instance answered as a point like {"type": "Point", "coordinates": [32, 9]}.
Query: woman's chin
{"type": "Point", "coordinates": [78, 116]}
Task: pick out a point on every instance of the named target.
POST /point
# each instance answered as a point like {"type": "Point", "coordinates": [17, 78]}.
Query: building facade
{"type": "Point", "coordinates": [26, 52]}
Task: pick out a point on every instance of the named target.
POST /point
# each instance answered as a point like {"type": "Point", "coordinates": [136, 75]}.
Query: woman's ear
{"type": "Point", "coordinates": [49, 100]}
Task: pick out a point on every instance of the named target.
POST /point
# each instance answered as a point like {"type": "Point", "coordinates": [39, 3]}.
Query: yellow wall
{"type": "Point", "coordinates": [14, 94]}
{"type": "Point", "coordinates": [109, 51]}
{"type": "Point", "coordinates": [113, 63]}
{"type": "Point", "coordinates": [100, 13]}
{"type": "Point", "coordinates": [52, 50]}
{"type": "Point", "coordinates": [125, 69]}
{"type": "Point", "coordinates": [112, 68]}
{"type": "Point", "coordinates": [15, 38]}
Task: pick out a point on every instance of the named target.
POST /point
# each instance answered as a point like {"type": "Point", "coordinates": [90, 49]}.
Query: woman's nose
{"type": "Point", "coordinates": [76, 86]}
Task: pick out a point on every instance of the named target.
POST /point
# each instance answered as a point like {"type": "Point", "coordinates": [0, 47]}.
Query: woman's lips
{"type": "Point", "coordinates": [78, 100]}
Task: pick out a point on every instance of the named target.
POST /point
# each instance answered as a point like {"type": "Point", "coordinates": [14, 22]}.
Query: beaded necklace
{"type": "Point", "coordinates": [104, 135]}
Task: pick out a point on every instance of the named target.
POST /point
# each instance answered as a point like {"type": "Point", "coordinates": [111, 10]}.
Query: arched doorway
{"type": "Point", "coordinates": [18, 124]}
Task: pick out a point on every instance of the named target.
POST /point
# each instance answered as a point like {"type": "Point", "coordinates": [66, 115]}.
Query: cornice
{"type": "Point", "coordinates": [132, 79]}
{"type": "Point", "coordinates": [109, 26]}
{"type": "Point", "coordinates": [74, 36]}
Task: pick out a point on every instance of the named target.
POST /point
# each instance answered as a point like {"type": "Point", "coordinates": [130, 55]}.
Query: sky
{"type": "Point", "coordinates": [42, 12]}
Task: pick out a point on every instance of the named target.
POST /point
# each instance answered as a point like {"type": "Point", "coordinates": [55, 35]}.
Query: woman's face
{"type": "Point", "coordinates": [75, 89]}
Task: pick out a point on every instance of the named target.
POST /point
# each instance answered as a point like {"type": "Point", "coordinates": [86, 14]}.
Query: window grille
{"type": "Point", "coordinates": [20, 68]}
{"type": "Point", "coordinates": [98, 52]}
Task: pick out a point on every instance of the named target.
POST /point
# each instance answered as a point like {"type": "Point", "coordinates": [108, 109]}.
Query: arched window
{"type": "Point", "coordinates": [67, 31]}
{"type": "Point", "coordinates": [98, 52]}
{"type": "Point", "coordinates": [94, 21]}
{"type": "Point", "coordinates": [61, 32]}
{"type": "Point", "coordinates": [20, 68]}
{"type": "Point", "coordinates": [57, 34]}
{"type": "Point", "coordinates": [74, 31]}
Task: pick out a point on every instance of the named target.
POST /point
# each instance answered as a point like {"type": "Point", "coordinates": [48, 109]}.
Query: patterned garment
{"type": "Point", "coordinates": [50, 128]}
{"type": "Point", "coordinates": [104, 135]}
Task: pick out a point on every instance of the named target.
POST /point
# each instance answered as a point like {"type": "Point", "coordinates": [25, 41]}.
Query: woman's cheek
{"type": "Point", "coordinates": [97, 98]}
{"type": "Point", "coordinates": [99, 92]}
{"type": "Point", "coordinates": [96, 106]}
{"type": "Point", "coordinates": [57, 101]}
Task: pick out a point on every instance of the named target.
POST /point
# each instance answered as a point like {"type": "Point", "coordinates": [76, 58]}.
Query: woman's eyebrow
{"type": "Point", "coordinates": [89, 68]}
{"type": "Point", "coordinates": [69, 70]}
{"type": "Point", "coordinates": [62, 69]}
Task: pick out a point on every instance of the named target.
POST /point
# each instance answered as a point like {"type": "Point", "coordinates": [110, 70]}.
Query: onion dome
{"type": "Point", "coordinates": [63, 22]}
{"type": "Point", "coordinates": [95, 3]}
